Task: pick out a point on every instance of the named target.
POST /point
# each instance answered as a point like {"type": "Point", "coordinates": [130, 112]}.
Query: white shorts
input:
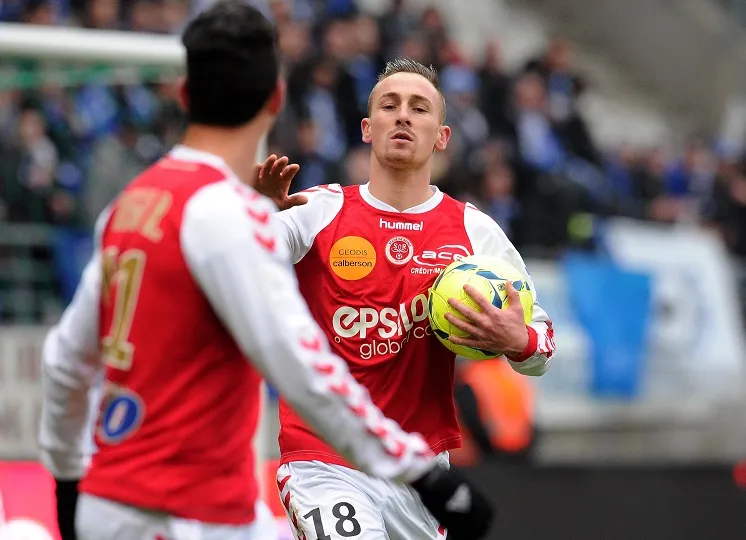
{"type": "Point", "coordinates": [331, 502]}
{"type": "Point", "coordinates": [102, 519]}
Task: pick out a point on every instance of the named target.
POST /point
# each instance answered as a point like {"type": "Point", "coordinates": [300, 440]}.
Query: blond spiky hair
{"type": "Point", "coordinates": [407, 65]}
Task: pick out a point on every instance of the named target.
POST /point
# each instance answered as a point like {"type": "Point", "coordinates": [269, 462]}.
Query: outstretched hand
{"type": "Point", "coordinates": [272, 179]}
{"type": "Point", "coordinates": [491, 329]}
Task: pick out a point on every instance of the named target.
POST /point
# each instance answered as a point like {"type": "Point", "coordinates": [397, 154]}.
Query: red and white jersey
{"type": "Point", "coordinates": [188, 295]}
{"type": "Point", "coordinates": [365, 269]}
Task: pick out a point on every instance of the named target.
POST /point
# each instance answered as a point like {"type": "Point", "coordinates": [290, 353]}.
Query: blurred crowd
{"type": "Point", "coordinates": [520, 149]}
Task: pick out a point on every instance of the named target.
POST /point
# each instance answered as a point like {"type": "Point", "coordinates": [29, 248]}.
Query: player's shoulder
{"type": "Point", "coordinates": [474, 214]}
{"type": "Point", "coordinates": [225, 212]}
{"type": "Point", "coordinates": [179, 175]}
{"type": "Point", "coordinates": [473, 217]}
{"type": "Point", "coordinates": [324, 196]}
{"type": "Point", "coordinates": [326, 191]}
{"type": "Point", "coordinates": [453, 206]}
{"type": "Point", "coordinates": [178, 182]}
{"type": "Point", "coordinates": [324, 202]}
{"type": "Point", "coordinates": [486, 234]}
{"type": "Point", "coordinates": [228, 201]}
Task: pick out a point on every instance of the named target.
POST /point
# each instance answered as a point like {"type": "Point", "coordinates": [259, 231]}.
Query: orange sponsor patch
{"type": "Point", "coordinates": [352, 258]}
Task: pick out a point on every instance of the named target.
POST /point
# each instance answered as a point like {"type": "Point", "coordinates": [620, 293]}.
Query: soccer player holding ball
{"type": "Point", "coordinates": [189, 300]}
{"type": "Point", "coordinates": [366, 258]}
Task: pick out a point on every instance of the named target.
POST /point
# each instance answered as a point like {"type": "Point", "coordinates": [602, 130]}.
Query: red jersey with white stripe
{"type": "Point", "coordinates": [177, 369]}
{"type": "Point", "coordinates": [365, 270]}
{"type": "Point", "coordinates": [188, 298]}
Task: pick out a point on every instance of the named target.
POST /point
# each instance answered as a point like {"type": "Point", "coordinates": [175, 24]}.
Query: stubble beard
{"type": "Point", "coordinates": [399, 158]}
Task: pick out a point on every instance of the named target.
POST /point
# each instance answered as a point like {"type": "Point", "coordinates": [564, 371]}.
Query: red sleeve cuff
{"type": "Point", "coordinates": [530, 350]}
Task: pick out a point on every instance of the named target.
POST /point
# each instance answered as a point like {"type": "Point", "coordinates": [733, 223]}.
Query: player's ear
{"type": "Point", "coordinates": [277, 99]}
{"type": "Point", "coordinates": [183, 95]}
{"type": "Point", "coordinates": [365, 129]}
{"type": "Point", "coordinates": [444, 134]}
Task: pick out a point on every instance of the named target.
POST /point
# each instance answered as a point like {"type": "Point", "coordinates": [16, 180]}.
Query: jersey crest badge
{"type": "Point", "coordinates": [399, 250]}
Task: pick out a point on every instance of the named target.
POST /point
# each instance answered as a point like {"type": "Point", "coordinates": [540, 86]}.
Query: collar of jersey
{"type": "Point", "coordinates": [181, 152]}
{"type": "Point", "coordinates": [428, 205]}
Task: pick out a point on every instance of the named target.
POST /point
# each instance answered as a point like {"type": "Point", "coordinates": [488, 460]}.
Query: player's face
{"type": "Point", "coordinates": [404, 127]}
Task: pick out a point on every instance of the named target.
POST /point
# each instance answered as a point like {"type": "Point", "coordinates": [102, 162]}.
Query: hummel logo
{"type": "Point", "coordinates": [460, 501]}
{"type": "Point", "coordinates": [399, 225]}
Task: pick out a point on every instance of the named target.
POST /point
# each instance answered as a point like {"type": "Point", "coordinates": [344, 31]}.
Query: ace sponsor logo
{"type": "Point", "coordinates": [442, 256]}
{"type": "Point", "coordinates": [434, 260]}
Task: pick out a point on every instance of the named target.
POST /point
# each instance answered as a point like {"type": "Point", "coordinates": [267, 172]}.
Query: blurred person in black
{"type": "Point", "coordinates": [397, 23]}
{"type": "Point", "coordinates": [314, 168]}
{"type": "Point", "coordinates": [564, 87]}
{"type": "Point", "coordinates": [37, 167]}
{"type": "Point", "coordinates": [726, 209]}
{"type": "Point", "coordinates": [321, 87]}
{"type": "Point", "coordinates": [495, 89]}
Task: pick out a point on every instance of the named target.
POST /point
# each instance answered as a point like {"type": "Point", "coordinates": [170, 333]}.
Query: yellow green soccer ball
{"type": "Point", "coordinates": [486, 274]}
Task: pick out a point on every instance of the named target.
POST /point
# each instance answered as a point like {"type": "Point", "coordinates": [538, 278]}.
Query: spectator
{"type": "Point", "coordinates": [397, 24]}
{"type": "Point", "coordinates": [41, 12]}
{"type": "Point", "coordinates": [727, 207]}
{"type": "Point", "coordinates": [414, 47]}
{"type": "Point", "coordinates": [693, 174]}
{"type": "Point", "coordinates": [36, 169]}
{"type": "Point", "coordinates": [321, 103]}
{"type": "Point", "coordinates": [470, 128]}
{"type": "Point", "coordinates": [102, 15]}
{"type": "Point", "coordinates": [663, 207]}
{"type": "Point", "coordinates": [435, 33]}
{"type": "Point", "coordinates": [11, 10]}
{"type": "Point", "coordinates": [495, 89]}
{"type": "Point", "coordinates": [174, 16]}
{"type": "Point", "coordinates": [499, 201]}
{"type": "Point", "coordinates": [315, 168]}
{"type": "Point", "coordinates": [295, 44]}
{"type": "Point", "coordinates": [538, 145]}
{"type": "Point", "coordinates": [116, 161]}
{"type": "Point", "coordinates": [281, 12]}
{"type": "Point", "coordinates": [357, 166]}
{"type": "Point", "coordinates": [145, 16]}
{"type": "Point", "coordinates": [564, 87]}
{"type": "Point", "coordinates": [367, 62]}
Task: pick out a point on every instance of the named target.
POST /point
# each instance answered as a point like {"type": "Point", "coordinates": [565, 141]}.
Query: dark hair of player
{"type": "Point", "coordinates": [232, 64]}
{"type": "Point", "coordinates": [407, 65]}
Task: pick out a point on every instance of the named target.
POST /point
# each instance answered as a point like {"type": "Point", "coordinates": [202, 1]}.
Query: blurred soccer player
{"type": "Point", "coordinates": [365, 257]}
{"type": "Point", "coordinates": [189, 299]}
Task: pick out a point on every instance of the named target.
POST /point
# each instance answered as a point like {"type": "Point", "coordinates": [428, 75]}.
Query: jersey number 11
{"type": "Point", "coordinates": [122, 276]}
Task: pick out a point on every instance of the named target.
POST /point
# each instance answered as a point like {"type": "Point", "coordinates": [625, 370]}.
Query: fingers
{"type": "Point", "coordinates": [295, 200]}
{"type": "Point", "coordinates": [512, 295]}
{"type": "Point", "coordinates": [468, 341]}
{"type": "Point", "coordinates": [279, 165]}
{"type": "Point", "coordinates": [289, 172]}
{"type": "Point", "coordinates": [266, 167]}
{"type": "Point", "coordinates": [456, 340]}
{"type": "Point", "coordinates": [465, 311]}
{"type": "Point", "coordinates": [472, 341]}
{"type": "Point", "coordinates": [461, 324]}
{"type": "Point", "coordinates": [481, 300]}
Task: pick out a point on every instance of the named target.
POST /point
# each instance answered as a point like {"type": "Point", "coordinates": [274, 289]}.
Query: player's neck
{"type": "Point", "coordinates": [237, 147]}
{"type": "Point", "coordinates": [400, 189]}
